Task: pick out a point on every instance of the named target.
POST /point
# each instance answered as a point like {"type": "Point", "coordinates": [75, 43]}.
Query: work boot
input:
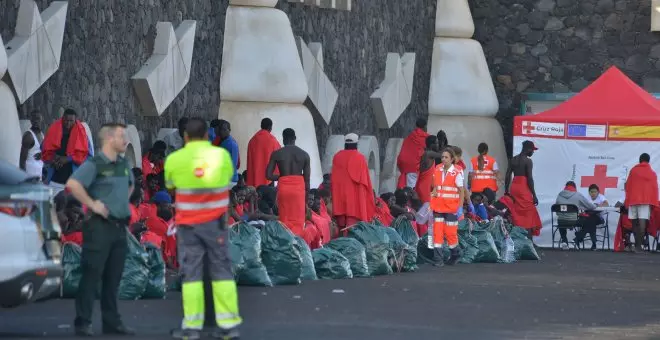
{"type": "Point", "coordinates": [84, 330]}
{"type": "Point", "coordinates": [438, 258]}
{"type": "Point", "coordinates": [186, 334]}
{"type": "Point", "coordinates": [455, 256]}
{"type": "Point", "coordinates": [226, 334]}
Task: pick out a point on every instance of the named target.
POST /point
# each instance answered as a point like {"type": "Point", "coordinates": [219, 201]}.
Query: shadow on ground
{"type": "Point", "coordinates": [567, 295]}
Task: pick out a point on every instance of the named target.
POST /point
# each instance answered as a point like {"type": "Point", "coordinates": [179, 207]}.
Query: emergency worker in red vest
{"type": "Point", "coordinates": [483, 171]}
{"type": "Point", "coordinates": [200, 173]}
{"type": "Point", "coordinates": [446, 200]}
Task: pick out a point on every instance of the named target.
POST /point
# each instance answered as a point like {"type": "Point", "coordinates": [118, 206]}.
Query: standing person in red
{"type": "Point", "coordinates": [260, 147]}
{"type": "Point", "coordinates": [523, 212]}
{"type": "Point", "coordinates": [483, 171]}
{"type": "Point", "coordinates": [352, 192]}
{"type": "Point", "coordinates": [65, 147]}
{"type": "Point", "coordinates": [292, 181]}
{"type": "Point", "coordinates": [641, 195]}
{"type": "Point", "coordinates": [411, 154]}
{"type": "Point", "coordinates": [152, 162]}
{"type": "Point", "coordinates": [426, 169]}
{"type": "Point", "coordinates": [446, 199]}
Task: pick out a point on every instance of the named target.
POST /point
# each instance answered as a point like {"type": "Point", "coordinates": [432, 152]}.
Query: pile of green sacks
{"type": "Point", "coordinates": [143, 276]}
{"type": "Point", "coordinates": [486, 242]}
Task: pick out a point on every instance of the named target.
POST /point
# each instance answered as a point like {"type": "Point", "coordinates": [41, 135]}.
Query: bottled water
{"type": "Point", "coordinates": [509, 250]}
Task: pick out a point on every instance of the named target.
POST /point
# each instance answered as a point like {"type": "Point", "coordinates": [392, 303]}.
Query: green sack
{"type": "Point", "coordinates": [377, 245]}
{"type": "Point", "coordinates": [408, 234]}
{"type": "Point", "coordinates": [469, 245]}
{"type": "Point", "coordinates": [135, 277]}
{"type": "Point", "coordinates": [308, 271]}
{"type": "Point", "coordinates": [156, 286]}
{"type": "Point", "coordinates": [280, 254]}
{"type": "Point", "coordinates": [524, 247]}
{"type": "Point", "coordinates": [354, 252]}
{"type": "Point", "coordinates": [403, 257]}
{"type": "Point", "coordinates": [330, 264]}
{"type": "Point", "coordinates": [424, 253]}
{"type": "Point", "coordinates": [245, 253]}
{"type": "Point", "coordinates": [71, 255]}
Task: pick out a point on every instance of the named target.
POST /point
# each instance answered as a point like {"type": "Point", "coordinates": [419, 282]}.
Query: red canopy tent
{"type": "Point", "coordinates": [612, 99]}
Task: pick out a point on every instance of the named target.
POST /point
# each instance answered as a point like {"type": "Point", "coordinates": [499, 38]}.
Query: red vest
{"type": "Point", "coordinates": [482, 179]}
{"type": "Point", "coordinates": [446, 196]}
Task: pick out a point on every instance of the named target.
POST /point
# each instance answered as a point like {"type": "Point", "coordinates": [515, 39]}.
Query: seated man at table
{"type": "Point", "coordinates": [584, 219]}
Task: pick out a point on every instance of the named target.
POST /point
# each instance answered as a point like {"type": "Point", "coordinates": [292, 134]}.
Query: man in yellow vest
{"type": "Point", "coordinates": [201, 174]}
{"type": "Point", "coordinates": [447, 197]}
{"type": "Point", "coordinates": [483, 172]}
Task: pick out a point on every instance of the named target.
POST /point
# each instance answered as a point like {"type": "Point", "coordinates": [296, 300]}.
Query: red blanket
{"type": "Point", "coordinates": [411, 154]}
{"type": "Point", "coordinates": [291, 202]}
{"type": "Point", "coordinates": [383, 213]}
{"type": "Point", "coordinates": [149, 168]}
{"type": "Point", "coordinates": [352, 192]}
{"type": "Point", "coordinates": [523, 212]}
{"type": "Point", "coordinates": [641, 186]}
{"type": "Point", "coordinates": [424, 183]}
{"type": "Point", "coordinates": [74, 237]}
{"type": "Point", "coordinates": [157, 225]}
{"type": "Point", "coordinates": [323, 225]}
{"type": "Point", "coordinates": [312, 235]}
{"type": "Point", "coordinates": [625, 223]}
{"type": "Point", "coordinates": [77, 147]}
{"type": "Point", "coordinates": [258, 155]}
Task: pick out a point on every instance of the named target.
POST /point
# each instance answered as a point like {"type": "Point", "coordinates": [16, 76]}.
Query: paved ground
{"type": "Point", "coordinates": [568, 295]}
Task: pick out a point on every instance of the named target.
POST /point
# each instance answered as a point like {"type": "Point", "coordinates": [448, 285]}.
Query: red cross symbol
{"type": "Point", "coordinates": [599, 178]}
{"type": "Point", "coordinates": [527, 128]}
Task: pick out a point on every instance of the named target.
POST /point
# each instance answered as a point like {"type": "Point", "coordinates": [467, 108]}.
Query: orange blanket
{"type": "Point", "coordinates": [523, 212]}
{"type": "Point", "coordinates": [641, 186]}
{"type": "Point", "coordinates": [352, 192]}
{"type": "Point", "coordinates": [424, 182]}
{"type": "Point", "coordinates": [383, 213]}
{"type": "Point", "coordinates": [411, 154]}
{"type": "Point", "coordinates": [77, 148]}
{"type": "Point", "coordinates": [291, 202]}
{"type": "Point", "coordinates": [260, 147]}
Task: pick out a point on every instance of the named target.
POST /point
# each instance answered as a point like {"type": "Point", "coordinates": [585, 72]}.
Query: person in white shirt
{"type": "Point", "coordinates": [174, 140]}
{"type": "Point", "coordinates": [596, 197]}
{"type": "Point", "coordinates": [30, 159]}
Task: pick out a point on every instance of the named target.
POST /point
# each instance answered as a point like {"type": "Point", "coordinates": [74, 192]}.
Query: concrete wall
{"type": "Point", "coordinates": [106, 42]}
{"type": "Point", "coordinates": [563, 45]}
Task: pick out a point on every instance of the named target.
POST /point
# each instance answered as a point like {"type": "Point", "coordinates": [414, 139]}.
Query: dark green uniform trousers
{"type": "Point", "coordinates": [103, 255]}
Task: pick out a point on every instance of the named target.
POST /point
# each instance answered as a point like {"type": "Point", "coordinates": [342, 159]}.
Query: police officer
{"type": "Point", "coordinates": [103, 184]}
{"type": "Point", "coordinates": [201, 174]}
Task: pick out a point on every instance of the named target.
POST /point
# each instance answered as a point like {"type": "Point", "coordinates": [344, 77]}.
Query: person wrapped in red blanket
{"type": "Point", "coordinates": [641, 194]}
{"type": "Point", "coordinates": [411, 155]}
{"type": "Point", "coordinates": [322, 222]}
{"type": "Point", "coordinates": [352, 192]}
{"type": "Point", "coordinates": [153, 160]}
{"type": "Point", "coordinates": [65, 147]}
{"type": "Point", "coordinates": [260, 147]}
{"type": "Point", "coordinates": [523, 212]}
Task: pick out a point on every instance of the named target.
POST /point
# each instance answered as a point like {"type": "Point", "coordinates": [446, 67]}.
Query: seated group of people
{"type": "Point", "coordinates": [587, 219]}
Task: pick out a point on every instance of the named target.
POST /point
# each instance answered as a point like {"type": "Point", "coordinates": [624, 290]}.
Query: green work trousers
{"type": "Point", "coordinates": [103, 255]}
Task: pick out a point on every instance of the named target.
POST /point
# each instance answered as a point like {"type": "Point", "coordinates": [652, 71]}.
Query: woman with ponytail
{"type": "Point", "coordinates": [483, 171]}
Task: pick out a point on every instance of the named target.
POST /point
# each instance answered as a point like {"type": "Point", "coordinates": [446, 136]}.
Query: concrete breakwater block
{"type": "Point", "coordinates": [10, 132]}
{"type": "Point", "coordinates": [453, 19]}
{"type": "Point", "coordinates": [460, 81]}
{"type": "Point", "coordinates": [260, 61]}
{"type": "Point", "coordinates": [389, 172]}
{"type": "Point", "coordinates": [295, 116]}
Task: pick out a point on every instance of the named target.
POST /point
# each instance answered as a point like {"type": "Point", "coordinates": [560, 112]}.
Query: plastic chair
{"type": "Point", "coordinates": [558, 223]}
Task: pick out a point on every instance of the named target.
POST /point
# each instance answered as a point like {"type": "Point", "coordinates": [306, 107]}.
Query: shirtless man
{"type": "Point", "coordinates": [524, 213]}
{"type": "Point", "coordinates": [292, 182]}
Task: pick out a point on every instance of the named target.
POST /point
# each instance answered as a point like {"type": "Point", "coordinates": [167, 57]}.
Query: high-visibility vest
{"type": "Point", "coordinates": [201, 174]}
{"type": "Point", "coordinates": [482, 179]}
{"type": "Point", "coordinates": [447, 196]}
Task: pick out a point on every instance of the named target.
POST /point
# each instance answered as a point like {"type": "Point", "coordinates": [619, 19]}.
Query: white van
{"type": "Point", "coordinates": [30, 247]}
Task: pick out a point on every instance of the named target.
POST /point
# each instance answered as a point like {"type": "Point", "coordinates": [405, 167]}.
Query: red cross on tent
{"type": "Point", "coordinates": [527, 128]}
{"type": "Point", "coordinates": [599, 178]}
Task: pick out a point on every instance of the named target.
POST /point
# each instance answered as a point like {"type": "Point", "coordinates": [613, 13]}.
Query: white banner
{"type": "Point", "coordinates": [585, 162]}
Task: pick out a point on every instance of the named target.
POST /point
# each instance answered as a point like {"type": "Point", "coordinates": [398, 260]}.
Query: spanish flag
{"type": "Point", "coordinates": [634, 132]}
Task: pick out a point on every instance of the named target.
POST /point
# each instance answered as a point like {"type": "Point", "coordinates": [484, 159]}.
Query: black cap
{"type": "Point", "coordinates": [529, 145]}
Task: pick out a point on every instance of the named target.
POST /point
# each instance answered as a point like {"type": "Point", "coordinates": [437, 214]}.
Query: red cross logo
{"type": "Point", "coordinates": [527, 128]}
{"type": "Point", "coordinates": [600, 178]}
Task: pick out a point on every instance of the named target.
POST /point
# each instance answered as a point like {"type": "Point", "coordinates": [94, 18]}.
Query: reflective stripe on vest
{"type": "Point", "coordinates": [447, 198]}
{"type": "Point", "coordinates": [201, 205]}
{"type": "Point", "coordinates": [482, 179]}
